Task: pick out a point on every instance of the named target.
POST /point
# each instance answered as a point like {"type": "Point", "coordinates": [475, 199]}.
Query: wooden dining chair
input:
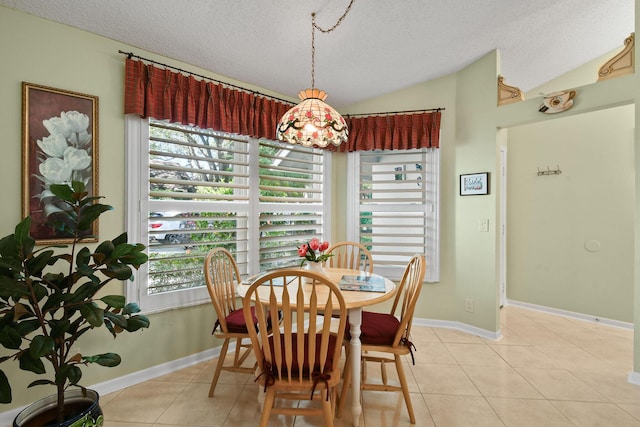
{"type": "Point", "coordinates": [385, 333]}
{"type": "Point", "coordinates": [351, 255]}
{"type": "Point", "coordinates": [300, 360]}
{"type": "Point", "coordinates": [221, 276]}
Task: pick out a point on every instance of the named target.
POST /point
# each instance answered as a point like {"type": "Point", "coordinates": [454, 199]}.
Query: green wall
{"type": "Point", "coordinates": [438, 300]}
{"type": "Point", "coordinates": [468, 260]}
{"type": "Point", "coordinates": [49, 54]}
{"type": "Point", "coordinates": [569, 245]}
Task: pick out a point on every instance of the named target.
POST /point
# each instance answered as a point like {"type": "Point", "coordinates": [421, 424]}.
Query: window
{"type": "Point", "coordinates": [394, 207]}
{"type": "Point", "coordinates": [190, 190]}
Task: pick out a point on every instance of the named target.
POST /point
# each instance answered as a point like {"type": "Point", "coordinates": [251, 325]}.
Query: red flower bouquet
{"type": "Point", "coordinates": [313, 251]}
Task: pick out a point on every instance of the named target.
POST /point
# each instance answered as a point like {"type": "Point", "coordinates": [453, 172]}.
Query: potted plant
{"type": "Point", "coordinates": [50, 297]}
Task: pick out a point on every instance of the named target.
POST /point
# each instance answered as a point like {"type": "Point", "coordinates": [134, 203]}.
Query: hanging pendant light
{"type": "Point", "coordinates": [313, 122]}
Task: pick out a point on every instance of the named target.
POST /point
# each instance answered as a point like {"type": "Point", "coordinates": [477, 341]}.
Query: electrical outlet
{"type": "Point", "coordinates": [468, 305]}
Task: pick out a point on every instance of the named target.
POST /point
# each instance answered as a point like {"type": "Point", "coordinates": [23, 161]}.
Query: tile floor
{"type": "Point", "coordinates": [547, 370]}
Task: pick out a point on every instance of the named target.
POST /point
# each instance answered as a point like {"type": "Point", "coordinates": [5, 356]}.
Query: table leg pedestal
{"type": "Point", "coordinates": [355, 320]}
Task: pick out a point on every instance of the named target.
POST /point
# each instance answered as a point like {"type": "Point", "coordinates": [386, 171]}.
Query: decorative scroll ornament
{"type": "Point", "coordinates": [508, 94]}
{"type": "Point", "coordinates": [557, 102]}
{"type": "Point", "coordinates": [621, 64]}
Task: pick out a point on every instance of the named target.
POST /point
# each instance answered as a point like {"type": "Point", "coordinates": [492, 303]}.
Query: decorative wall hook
{"type": "Point", "coordinates": [555, 171]}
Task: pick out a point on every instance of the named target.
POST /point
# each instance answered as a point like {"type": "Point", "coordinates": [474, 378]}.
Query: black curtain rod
{"type": "Point", "coordinates": [131, 55]}
{"type": "Point", "coordinates": [394, 112]}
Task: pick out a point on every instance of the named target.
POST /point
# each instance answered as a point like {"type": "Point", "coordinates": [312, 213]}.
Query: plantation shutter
{"type": "Point", "coordinates": [397, 207]}
{"type": "Point", "coordinates": [198, 199]}
{"type": "Point", "coordinates": [291, 201]}
{"type": "Point", "coordinates": [205, 191]}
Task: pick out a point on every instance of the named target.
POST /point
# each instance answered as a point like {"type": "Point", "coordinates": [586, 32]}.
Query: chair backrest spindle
{"type": "Point", "coordinates": [221, 277]}
{"type": "Point", "coordinates": [408, 294]}
{"type": "Point", "coordinates": [304, 346]}
{"type": "Point", "coordinates": [352, 255]}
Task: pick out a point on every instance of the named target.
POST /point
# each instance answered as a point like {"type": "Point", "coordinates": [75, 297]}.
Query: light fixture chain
{"type": "Point", "coordinates": [313, 50]}
{"type": "Point", "coordinates": [337, 24]}
{"type": "Point", "coordinates": [313, 39]}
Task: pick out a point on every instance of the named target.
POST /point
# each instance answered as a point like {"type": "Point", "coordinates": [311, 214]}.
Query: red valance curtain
{"type": "Point", "coordinates": [166, 95]}
{"type": "Point", "coordinates": [393, 132]}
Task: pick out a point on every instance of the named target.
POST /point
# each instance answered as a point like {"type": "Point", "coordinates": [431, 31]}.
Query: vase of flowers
{"type": "Point", "coordinates": [315, 267]}
{"type": "Point", "coordinates": [313, 255]}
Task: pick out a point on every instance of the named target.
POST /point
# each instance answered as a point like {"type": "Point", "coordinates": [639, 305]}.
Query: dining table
{"type": "Point", "coordinates": [355, 301]}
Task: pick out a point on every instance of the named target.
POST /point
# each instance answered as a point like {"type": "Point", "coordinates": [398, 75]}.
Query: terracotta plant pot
{"type": "Point", "coordinates": [79, 411]}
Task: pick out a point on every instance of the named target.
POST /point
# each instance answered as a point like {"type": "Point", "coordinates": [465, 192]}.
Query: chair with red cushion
{"type": "Point", "coordinates": [386, 333]}
{"type": "Point", "coordinates": [299, 360]}
{"type": "Point", "coordinates": [351, 255]}
{"type": "Point", "coordinates": [221, 276]}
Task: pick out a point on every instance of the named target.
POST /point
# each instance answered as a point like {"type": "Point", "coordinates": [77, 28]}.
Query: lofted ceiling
{"type": "Point", "coordinates": [380, 47]}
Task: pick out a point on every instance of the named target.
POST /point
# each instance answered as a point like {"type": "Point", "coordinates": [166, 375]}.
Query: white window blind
{"type": "Point", "coordinates": [395, 207]}
{"type": "Point", "coordinates": [292, 183]}
{"type": "Point", "coordinates": [190, 190]}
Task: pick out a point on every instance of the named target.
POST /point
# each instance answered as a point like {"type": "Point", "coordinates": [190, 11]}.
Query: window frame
{"type": "Point", "coordinates": [432, 212]}
{"type": "Point", "coordinates": [137, 206]}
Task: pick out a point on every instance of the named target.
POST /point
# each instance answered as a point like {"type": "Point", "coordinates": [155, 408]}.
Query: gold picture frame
{"type": "Point", "coordinates": [59, 145]}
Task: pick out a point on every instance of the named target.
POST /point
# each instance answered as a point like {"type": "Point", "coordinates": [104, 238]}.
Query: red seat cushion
{"type": "Point", "coordinates": [236, 324]}
{"type": "Point", "coordinates": [377, 328]}
{"type": "Point", "coordinates": [319, 374]}
{"type": "Point", "coordinates": [235, 321]}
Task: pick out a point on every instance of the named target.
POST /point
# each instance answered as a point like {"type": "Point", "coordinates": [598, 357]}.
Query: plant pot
{"type": "Point", "coordinates": [80, 411]}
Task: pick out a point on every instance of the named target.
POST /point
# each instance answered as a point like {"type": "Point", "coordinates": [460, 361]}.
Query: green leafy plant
{"type": "Point", "coordinates": [49, 297]}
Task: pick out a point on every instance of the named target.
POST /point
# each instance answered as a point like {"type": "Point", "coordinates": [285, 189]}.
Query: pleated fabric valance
{"type": "Point", "coordinates": [163, 94]}
{"type": "Point", "coordinates": [393, 132]}
{"type": "Point", "coordinates": [166, 95]}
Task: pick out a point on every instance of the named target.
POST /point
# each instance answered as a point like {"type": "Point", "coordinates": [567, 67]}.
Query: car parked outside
{"type": "Point", "coordinates": [169, 230]}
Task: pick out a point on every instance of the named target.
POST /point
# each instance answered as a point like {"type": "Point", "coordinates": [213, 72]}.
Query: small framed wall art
{"type": "Point", "coordinates": [60, 145]}
{"type": "Point", "coordinates": [474, 184]}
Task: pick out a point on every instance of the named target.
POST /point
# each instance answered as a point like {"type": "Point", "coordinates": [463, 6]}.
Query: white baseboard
{"type": "Point", "coordinates": [110, 386]}
{"type": "Point", "coordinates": [573, 315]}
{"type": "Point", "coordinates": [634, 378]}
{"type": "Point", "coordinates": [156, 371]}
{"type": "Point", "coordinates": [459, 326]}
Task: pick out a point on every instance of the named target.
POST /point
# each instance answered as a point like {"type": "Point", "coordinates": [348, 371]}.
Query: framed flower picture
{"type": "Point", "coordinates": [59, 146]}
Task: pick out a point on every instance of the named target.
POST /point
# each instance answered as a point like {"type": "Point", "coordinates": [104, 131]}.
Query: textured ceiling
{"type": "Point", "coordinates": [381, 46]}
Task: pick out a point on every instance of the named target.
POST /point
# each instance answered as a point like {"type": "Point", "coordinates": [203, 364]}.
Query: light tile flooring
{"type": "Point", "coordinates": [547, 370]}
